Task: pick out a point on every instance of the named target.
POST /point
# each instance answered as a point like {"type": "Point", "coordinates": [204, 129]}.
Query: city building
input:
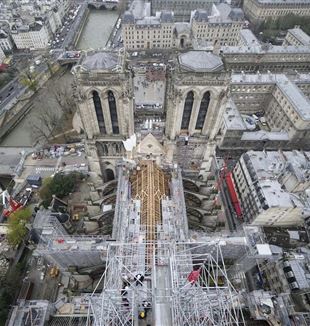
{"type": "Point", "coordinates": [221, 27]}
{"type": "Point", "coordinates": [182, 10]}
{"type": "Point", "coordinates": [290, 275]}
{"type": "Point", "coordinates": [260, 180]}
{"type": "Point", "coordinates": [296, 36]}
{"type": "Point", "coordinates": [261, 10]}
{"type": "Point", "coordinates": [31, 37]}
{"type": "Point", "coordinates": [266, 111]}
{"type": "Point", "coordinates": [2, 55]}
{"type": "Point", "coordinates": [5, 42]}
{"type": "Point", "coordinates": [148, 32]}
{"type": "Point", "coordinates": [266, 57]}
{"type": "Point", "coordinates": [216, 27]}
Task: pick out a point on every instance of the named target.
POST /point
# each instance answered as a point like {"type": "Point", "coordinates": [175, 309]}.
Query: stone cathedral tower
{"type": "Point", "coordinates": [105, 108]}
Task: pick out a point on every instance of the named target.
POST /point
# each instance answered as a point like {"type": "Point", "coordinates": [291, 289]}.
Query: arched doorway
{"type": "Point", "coordinates": [182, 42]}
{"type": "Point", "coordinates": [113, 112]}
{"type": "Point", "coordinates": [99, 112]}
{"type": "Point", "coordinates": [188, 106]}
{"type": "Point", "coordinates": [109, 175]}
{"type": "Point", "coordinates": [204, 104]}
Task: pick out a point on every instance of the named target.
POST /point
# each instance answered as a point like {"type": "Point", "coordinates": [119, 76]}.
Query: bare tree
{"type": "Point", "coordinates": [65, 99]}
{"type": "Point", "coordinates": [53, 114]}
{"type": "Point", "coordinates": [44, 123]}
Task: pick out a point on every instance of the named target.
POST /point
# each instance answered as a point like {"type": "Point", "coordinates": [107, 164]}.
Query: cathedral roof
{"type": "Point", "coordinates": [200, 61]}
{"type": "Point", "coordinates": [101, 61]}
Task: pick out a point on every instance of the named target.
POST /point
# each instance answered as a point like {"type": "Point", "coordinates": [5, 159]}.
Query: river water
{"type": "Point", "coordinates": [95, 35]}
{"type": "Point", "coordinates": [97, 29]}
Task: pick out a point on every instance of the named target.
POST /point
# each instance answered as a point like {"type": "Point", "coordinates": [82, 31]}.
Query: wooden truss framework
{"type": "Point", "coordinates": [150, 184]}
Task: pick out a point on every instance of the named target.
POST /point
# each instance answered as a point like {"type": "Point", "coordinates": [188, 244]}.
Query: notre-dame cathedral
{"type": "Point", "coordinates": [183, 107]}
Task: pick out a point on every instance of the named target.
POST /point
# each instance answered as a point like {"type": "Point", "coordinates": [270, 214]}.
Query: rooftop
{"type": "Point", "coordinates": [265, 135]}
{"type": "Point", "coordinates": [295, 96]}
{"type": "Point", "coordinates": [274, 194]}
{"type": "Point", "coordinates": [232, 117]}
{"type": "Point", "coordinates": [271, 49]}
{"type": "Point", "coordinates": [248, 37]}
{"type": "Point", "coordinates": [200, 61]}
{"type": "Point", "coordinates": [293, 2]}
{"type": "Point", "coordinates": [224, 13]}
{"type": "Point", "coordinates": [100, 61]}
{"type": "Point", "coordinates": [300, 35]}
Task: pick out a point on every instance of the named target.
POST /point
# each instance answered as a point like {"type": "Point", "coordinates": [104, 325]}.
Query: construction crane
{"type": "Point", "coordinates": [10, 205]}
{"type": "Point", "coordinates": [226, 176]}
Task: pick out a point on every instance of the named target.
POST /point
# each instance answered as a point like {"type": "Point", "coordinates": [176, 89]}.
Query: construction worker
{"type": "Point", "coordinates": [186, 139]}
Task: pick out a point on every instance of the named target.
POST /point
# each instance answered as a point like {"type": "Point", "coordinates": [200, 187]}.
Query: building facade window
{"type": "Point", "coordinates": [204, 104]}
{"type": "Point", "coordinates": [188, 106]}
{"type": "Point", "coordinates": [113, 112]}
{"type": "Point", "coordinates": [99, 112]}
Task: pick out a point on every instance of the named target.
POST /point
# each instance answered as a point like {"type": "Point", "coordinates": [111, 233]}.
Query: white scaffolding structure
{"type": "Point", "coordinates": [152, 240]}
{"type": "Point", "coordinates": [209, 300]}
{"type": "Point", "coordinates": [172, 297]}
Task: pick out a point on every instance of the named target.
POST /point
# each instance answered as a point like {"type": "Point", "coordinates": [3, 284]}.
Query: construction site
{"type": "Point", "coordinates": [152, 269]}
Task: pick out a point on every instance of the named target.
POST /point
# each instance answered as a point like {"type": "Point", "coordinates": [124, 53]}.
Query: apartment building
{"type": "Point", "coordinates": [261, 10]}
{"type": "Point", "coordinates": [221, 27]}
{"type": "Point", "coordinates": [282, 103]}
{"type": "Point", "coordinates": [266, 57]}
{"type": "Point", "coordinates": [263, 198]}
{"type": "Point", "coordinates": [296, 36]}
{"type": "Point", "coordinates": [31, 37]}
{"type": "Point", "coordinates": [5, 42]}
{"type": "Point", "coordinates": [148, 32]}
{"type": "Point", "coordinates": [182, 9]}
{"type": "Point", "coordinates": [290, 275]}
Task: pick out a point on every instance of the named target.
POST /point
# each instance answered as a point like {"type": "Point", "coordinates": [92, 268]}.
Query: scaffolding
{"type": "Point", "coordinates": [210, 298]}
{"type": "Point", "coordinates": [153, 243]}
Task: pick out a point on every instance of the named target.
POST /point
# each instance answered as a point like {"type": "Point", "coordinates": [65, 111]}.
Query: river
{"type": "Point", "coordinates": [97, 29]}
{"type": "Point", "coordinates": [95, 35]}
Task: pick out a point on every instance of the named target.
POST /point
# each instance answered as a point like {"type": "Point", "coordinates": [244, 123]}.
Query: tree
{"type": "Point", "coordinates": [65, 100]}
{"type": "Point", "coordinates": [60, 185]}
{"type": "Point", "coordinates": [17, 226]}
{"type": "Point", "coordinates": [47, 117]}
{"type": "Point", "coordinates": [29, 80]}
{"type": "Point", "coordinates": [52, 115]}
{"type": "Point", "coordinates": [45, 191]}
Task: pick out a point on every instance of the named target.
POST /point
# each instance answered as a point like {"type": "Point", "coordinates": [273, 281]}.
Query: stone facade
{"type": "Point", "coordinates": [261, 10]}
{"type": "Point", "coordinates": [202, 106]}
{"type": "Point", "coordinates": [105, 106]}
{"type": "Point", "coordinates": [216, 27]}
{"type": "Point", "coordinates": [181, 9]}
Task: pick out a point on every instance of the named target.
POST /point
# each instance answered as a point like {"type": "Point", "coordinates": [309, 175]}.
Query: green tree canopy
{"type": "Point", "coordinates": [17, 226]}
{"type": "Point", "coordinates": [60, 185]}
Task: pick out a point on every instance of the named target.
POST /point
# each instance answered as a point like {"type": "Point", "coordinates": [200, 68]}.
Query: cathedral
{"type": "Point", "coordinates": [183, 107]}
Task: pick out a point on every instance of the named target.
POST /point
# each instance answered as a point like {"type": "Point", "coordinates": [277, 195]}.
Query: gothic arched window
{"type": "Point", "coordinates": [99, 112]}
{"type": "Point", "coordinates": [204, 104]}
{"type": "Point", "coordinates": [188, 106]}
{"type": "Point", "coordinates": [113, 112]}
